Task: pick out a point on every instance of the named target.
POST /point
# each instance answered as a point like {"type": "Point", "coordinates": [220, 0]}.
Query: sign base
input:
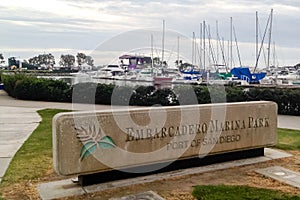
{"type": "Point", "coordinates": [113, 175]}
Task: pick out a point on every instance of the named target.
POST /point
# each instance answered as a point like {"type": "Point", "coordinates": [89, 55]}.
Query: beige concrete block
{"type": "Point", "coordinates": [88, 142]}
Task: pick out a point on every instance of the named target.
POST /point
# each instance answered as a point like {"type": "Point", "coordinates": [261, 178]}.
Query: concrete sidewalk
{"type": "Point", "coordinates": [17, 124]}
{"type": "Point", "coordinates": [290, 122]}
{"type": "Point", "coordinates": [19, 118]}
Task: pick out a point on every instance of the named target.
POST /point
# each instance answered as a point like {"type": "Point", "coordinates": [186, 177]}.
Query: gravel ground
{"type": "Point", "coordinates": [177, 188]}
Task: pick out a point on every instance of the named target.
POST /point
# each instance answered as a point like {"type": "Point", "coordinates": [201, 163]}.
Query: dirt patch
{"type": "Point", "coordinates": [179, 188]}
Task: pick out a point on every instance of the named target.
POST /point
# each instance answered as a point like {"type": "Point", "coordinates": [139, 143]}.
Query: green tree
{"type": "Point", "coordinates": [89, 61]}
{"type": "Point", "coordinates": [178, 63]}
{"type": "Point", "coordinates": [43, 59]}
{"type": "Point", "coordinates": [165, 64]}
{"type": "Point", "coordinates": [67, 60]}
{"type": "Point", "coordinates": [81, 58]}
{"type": "Point", "coordinates": [1, 58]}
{"type": "Point", "coordinates": [156, 61]}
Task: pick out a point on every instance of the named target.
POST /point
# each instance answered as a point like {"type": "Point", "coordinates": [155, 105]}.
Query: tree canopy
{"type": "Point", "coordinates": [82, 58]}
{"type": "Point", "coordinates": [1, 58]}
{"type": "Point", "coordinates": [42, 59]}
{"type": "Point", "coordinates": [67, 60]}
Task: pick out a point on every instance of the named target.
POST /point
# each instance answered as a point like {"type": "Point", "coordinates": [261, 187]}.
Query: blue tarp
{"type": "Point", "coordinates": [243, 73]}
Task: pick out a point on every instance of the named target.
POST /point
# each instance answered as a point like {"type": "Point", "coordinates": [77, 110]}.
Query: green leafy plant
{"type": "Point", "coordinates": [91, 139]}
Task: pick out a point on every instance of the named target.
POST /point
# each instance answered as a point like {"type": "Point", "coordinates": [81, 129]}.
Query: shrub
{"type": "Point", "coordinates": [202, 94]}
{"type": "Point", "coordinates": [103, 93]}
{"type": "Point", "coordinates": [235, 94]}
{"type": "Point", "coordinates": [286, 99]}
{"type": "Point", "coordinates": [9, 82]}
{"type": "Point", "coordinates": [142, 96]}
{"type": "Point", "coordinates": [32, 88]}
{"type": "Point", "coordinates": [84, 92]}
{"type": "Point", "coordinates": [164, 97]}
{"type": "Point", "coordinates": [121, 95]}
{"type": "Point", "coordinates": [185, 95]}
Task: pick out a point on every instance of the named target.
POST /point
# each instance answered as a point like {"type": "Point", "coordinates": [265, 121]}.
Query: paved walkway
{"type": "Point", "coordinates": [19, 118]}
{"type": "Point", "coordinates": [290, 122]}
{"type": "Point", "coordinates": [16, 124]}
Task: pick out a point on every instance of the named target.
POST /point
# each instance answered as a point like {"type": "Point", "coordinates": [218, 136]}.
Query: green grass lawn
{"type": "Point", "coordinates": [288, 139]}
{"type": "Point", "coordinates": [34, 159]}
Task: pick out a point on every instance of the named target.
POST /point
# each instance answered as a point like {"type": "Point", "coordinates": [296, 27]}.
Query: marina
{"type": "Point", "coordinates": [211, 62]}
{"type": "Point", "coordinates": [149, 99]}
{"type": "Point", "coordinates": [281, 76]}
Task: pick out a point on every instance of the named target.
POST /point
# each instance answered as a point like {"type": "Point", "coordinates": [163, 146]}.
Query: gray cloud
{"type": "Point", "coordinates": [85, 23]}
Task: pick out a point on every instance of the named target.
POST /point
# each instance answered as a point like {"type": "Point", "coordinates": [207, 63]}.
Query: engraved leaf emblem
{"type": "Point", "coordinates": [92, 139]}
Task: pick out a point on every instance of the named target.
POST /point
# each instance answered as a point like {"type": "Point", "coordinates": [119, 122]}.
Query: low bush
{"type": "Point", "coordinates": [142, 95]}
{"type": "Point", "coordinates": [9, 82]}
{"type": "Point", "coordinates": [288, 100]}
{"type": "Point", "coordinates": [103, 93]}
{"type": "Point", "coordinates": [32, 88]}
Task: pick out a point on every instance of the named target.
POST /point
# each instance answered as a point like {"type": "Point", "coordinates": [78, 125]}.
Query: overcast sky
{"type": "Point", "coordinates": [32, 27]}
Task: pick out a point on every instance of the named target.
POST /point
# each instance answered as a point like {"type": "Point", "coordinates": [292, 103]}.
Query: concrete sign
{"type": "Point", "coordinates": [90, 142]}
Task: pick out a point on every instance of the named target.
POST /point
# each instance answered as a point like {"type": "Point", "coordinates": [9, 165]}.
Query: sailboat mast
{"type": "Point", "coordinates": [163, 43]}
{"type": "Point", "coordinates": [228, 53]}
{"type": "Point", "coordinates": [231, 43]}
{"type": "Point", "coordinates": [217, 33]}
{"type": "Point", "coordinates": [270, 35]}
{"type": "Point", "coordinates": [274, 55]}
{"type": "Point", "coordinates": [200, 39]}
{"type": "Point", "coordinates": [152, 64]}
{"type": "Point", "coordinates": [262, 43]}
{"type": "Point", "coordinates": [204, 45]}
{"type": "Point", "coordinates": [211, 50]}
{"type": "Point", "coordinates": [193, 48]}
{"type": "Point", "coordinates": [178, 51]}
{"type": "Point", "coordinates": [209, 46]}
{"type": "Point", "coordinates": [223, 55]}
{"type": "Point", "coordinates": [256, 28]}
{"type": "Point", "coordinates": [237, 47]}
